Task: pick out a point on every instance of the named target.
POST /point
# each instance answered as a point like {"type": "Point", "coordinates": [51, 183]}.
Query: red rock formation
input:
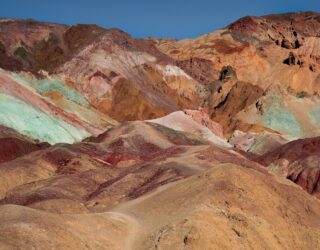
{"type": "Point", "coordinates": [14, 145]}
{"type": "Point", "coordinates": [293, 151]}
{"type": "Point", "coordinates": [11, 148]}
{"type": "Point", "coordinates": [298, 161]}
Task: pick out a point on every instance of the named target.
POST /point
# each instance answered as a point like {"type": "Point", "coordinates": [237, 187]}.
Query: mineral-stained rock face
{"type": "Point", "coordinates": [297, 161]}
{"type": "Point", "coordinates": [117, 72]}
{"type": "Point", "coordinates": [98, 62]}
{"type": "Point", "coordinates": [47, 110]}
{"type": "Point", "coordinates": [262, 51]}
{"type": "Point", "coordinates": [256, 143]}
{"type": "Point", "coordinates": [112, 142]}
{"type": "Point", "coordinates": [200, 69]}
{"type": "Point", "coordinates": [33, 44]}
{"type": "Point", "coordinates": [131, 79]}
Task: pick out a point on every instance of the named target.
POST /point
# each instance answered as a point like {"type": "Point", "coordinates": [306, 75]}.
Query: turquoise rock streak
{"type": "Point", "coordinates": [56, 84]}
{"type": "Point", "coordinates": [35, 123]}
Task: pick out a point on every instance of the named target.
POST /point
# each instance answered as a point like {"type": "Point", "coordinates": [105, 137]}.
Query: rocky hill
{"type": "Point", "coordinates": [112, 142]}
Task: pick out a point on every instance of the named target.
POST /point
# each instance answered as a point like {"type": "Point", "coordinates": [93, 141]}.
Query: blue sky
{"type": "Point", "coordinates": [154, 18]}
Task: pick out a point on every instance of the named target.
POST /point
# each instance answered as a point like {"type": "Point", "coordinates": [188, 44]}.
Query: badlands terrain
{"type": "Point", "coordinates": [112, 142]}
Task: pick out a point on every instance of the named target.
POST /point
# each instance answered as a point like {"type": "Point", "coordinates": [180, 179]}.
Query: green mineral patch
{"type": "Point", "coordinates": [280, 119]}
{"type": "Point", "coordinates": [277, 116]}
{"type": "Point", "coordinates": [36, 124]}
{"type": "Point", "coordinates": [53, 84]}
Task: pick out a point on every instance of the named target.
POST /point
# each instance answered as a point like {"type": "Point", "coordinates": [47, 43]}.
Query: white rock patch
{"type": "Point", "coordinates": [170, 70]}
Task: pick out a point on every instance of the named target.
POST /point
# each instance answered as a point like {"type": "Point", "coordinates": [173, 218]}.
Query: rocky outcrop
{"type": "Point", "coordinates": [286, 31]}
{"type": "Point", "coordinates": [138, 78]}
{"type": "Point", "coordinates": [293, 60]}
{"type": "Point", "coordinates": [34, 45]}
{"type": "Point", "coordinates": [236, 99]}
{"type": "Point", "coordinates": [274, 50]}
{"type": "Point", "coordinates": [297, 161]}
{"type": "Point", "coordinates": [256, 143]}
{"type": "Point", "coordinates": [200, 69]}
{"type": "Point", "coordinates": [228, 73]}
